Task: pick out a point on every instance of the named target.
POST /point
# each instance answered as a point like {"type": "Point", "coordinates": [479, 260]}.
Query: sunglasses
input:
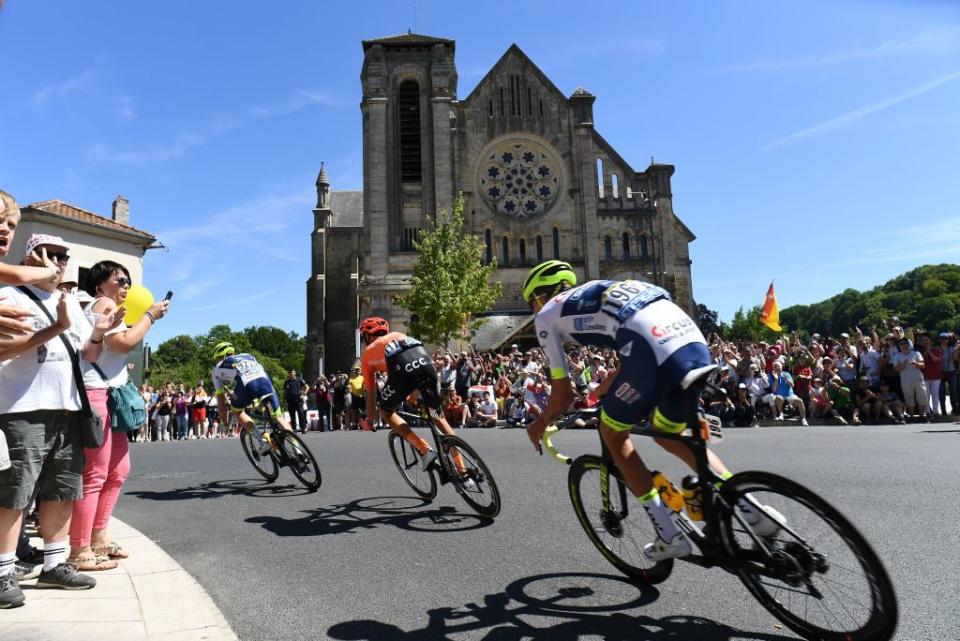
{"type": "Point", "coordinates": [60, 257]}
{"type": "Point", "coordinates": [123, 281]}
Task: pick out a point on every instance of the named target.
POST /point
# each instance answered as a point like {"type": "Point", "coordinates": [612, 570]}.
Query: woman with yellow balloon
{"type": "Point", "coordinates": [106, 467]}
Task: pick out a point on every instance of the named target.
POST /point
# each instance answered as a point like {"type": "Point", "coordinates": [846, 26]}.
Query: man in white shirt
{"type": "Point", "coordinates": [486, 415]}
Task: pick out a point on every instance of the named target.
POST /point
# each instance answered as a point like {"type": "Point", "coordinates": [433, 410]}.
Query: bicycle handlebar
{"type": "Point", "coordinates": [551, 450]}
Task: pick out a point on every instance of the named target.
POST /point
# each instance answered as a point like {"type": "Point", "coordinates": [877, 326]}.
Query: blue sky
{"type": "Point", "coordinates": [815, 143]}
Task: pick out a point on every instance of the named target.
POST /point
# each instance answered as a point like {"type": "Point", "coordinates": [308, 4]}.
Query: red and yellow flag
{"type": "Point", "coordinates": [770, 314]}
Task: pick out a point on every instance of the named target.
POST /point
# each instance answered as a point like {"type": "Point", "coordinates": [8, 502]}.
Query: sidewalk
{"type": "Point", "coordinates": [148, 597]}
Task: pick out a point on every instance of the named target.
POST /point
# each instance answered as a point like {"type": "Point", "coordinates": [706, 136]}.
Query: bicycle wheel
{"type": "Point", "coordinates": [476, 484]}
{"type": "Point", "coordinates": [613, 519]}
{"type": "Point", "coordinates": [301, 460]}
{"type": "Point", "coordinates": [822, 579]}
{"type": "Point", "coordinates": [407, 459]}
{"type": "Point", "coordinates": [264, 464]}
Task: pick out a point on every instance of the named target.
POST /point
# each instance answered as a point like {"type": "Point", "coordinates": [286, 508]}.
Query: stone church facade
{"type": "Point", "coordinates": [538, 182]}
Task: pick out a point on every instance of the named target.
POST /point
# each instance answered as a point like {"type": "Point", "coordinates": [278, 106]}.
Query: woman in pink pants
{"type": "Point", "coordinates": [106, 467]}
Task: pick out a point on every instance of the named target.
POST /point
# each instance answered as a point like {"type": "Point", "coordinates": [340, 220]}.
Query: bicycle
{"type": "Point", "coordinates": [269, 447]}
{"type": "Point", "coordinates": [475, 485]}
{"type": "Point", "coordinates": [816, 555]}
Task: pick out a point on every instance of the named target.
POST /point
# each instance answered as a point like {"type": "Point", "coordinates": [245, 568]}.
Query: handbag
{"type": "Point", "coordinates": [91, 425]}
{"type": "Point", "coordinates": [128, 411]}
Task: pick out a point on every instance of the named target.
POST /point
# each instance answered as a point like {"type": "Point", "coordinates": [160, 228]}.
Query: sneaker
{"type": "Point", "coordinates": [841, 420]}
{"type": "Point", "coordinates": [780, 418]}
{"type": "Point", "coordinates": [427, 460]}
{"type": "Point", "coordinates": [11, 596]}
{"type": "Point", "coordinates": [661, 550]}
{"type": "Point", "coordinates": [804, 423]}
{"type": "Point", "coordinates": [65, 577]}
{"type": "Point", "coordinates": [26, 571]}
{"type": "Point", "coordinates": [764, 520]}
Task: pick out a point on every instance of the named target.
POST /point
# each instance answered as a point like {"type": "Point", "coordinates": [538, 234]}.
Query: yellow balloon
{"type": "Point", "coordinates": [139, 299]}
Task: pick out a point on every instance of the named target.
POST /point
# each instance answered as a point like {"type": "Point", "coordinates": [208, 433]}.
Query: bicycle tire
{"type": "Point", "coordinates": [265, 464]}
{"type": "Point", "coordinates": [300, 460]}
{"type": "Point", "coordinates": [880, 622]}
{"type": "Point", "coordinates": [407, 459]}
{"type": "Point", "coordinates": [622, 547]}
{"type": "Point", "coordinates": [477, 471]}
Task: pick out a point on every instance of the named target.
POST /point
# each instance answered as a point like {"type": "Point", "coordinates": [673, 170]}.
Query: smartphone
{"type": "Point", "coordinates": [169, 295]}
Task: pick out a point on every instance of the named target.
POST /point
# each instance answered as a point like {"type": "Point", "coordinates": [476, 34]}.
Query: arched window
{"type": "Point", "coordinates": [506, 251]}
{"type": "Point", "coordinates": [539, 249]}
{"type": "Point", "coordinates": [607, 248]}
{"type": "Point", "coordinates": [556, 243]}
{"type": "Point", "coordinates": [626, 245]}
{"type": "Point", "coordinates": [643, 247]}
{"type": "Point", "coordinates": [614, 186]}
{"type": "Point", "coordinates": [523, 251]}
{"type": "Point", "coordinates": [488, 239]}
{"type": "Point", "coordinates": [600, 177]}
{"type": "Point", "coordinates": [629, 192]}
{"type": "Point", "coordinates": [408, 103]}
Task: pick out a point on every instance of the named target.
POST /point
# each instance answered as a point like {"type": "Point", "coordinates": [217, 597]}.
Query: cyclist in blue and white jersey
{"type": "Point", "coordinates": [658, 344]}
{"type": "Point", "coordinates": [250, 383]}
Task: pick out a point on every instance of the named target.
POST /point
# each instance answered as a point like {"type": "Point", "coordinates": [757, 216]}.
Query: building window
{"type": "Point", "coordinates": [529, 102]}
{"type": "Point", "coordinates": [643, 247]}
{"type": "Point", "coordinates": [607, 248]}
{"type": "Point", "coordinates": [600, 177]}
{"type": "Point", "coordinates": [410, 236]}
{"type": "Point", "coordinates": [629, 192]}
{"type": "Point", "coordinates": [523, 251]}
{"type": "Point", "coordinates": [408, 102]}
{"type": "Point", "coordinates": [487, 237]}
{"type": "Point", "coordinates": [614, 186]}
{"type": "Point", "coordinates": [501, 101]}
{"type": "Point", "coordinates": [541, 106]}
{"type": "Point", "coordinates": [489, 107]}
{"type": "Point", "coordinates": [556, 243]}
{"type": "Point", "coordinates": [506, 251]}
{"type": "Point", "coordinates": [626, 245]}
{"type": "Point", "coordinates": [539, 249]}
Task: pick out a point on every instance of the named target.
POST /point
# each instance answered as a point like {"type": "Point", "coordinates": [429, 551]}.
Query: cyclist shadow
{"type": "Point", "coordinates": [555, 607]}
{"type": "Point", "coordinates": [402, 512]}
{"type": "Point", "coordinates": [216, 489]}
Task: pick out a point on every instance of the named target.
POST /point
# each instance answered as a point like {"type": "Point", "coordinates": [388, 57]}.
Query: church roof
{"type": "Point", "coordinates": [347, 208]}
{"type": "Point", "coordinates": [407, 39]}
{"type": "Point", "coordinates": [65, 210]}
{"type": "Point", "coordinates": [513, 51]}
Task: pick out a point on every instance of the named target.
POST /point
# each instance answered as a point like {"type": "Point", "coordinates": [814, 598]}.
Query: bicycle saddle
{"type": "Point", "coordinates": [698, 376]}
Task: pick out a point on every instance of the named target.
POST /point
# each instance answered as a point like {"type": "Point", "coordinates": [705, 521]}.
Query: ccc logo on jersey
{"type": "Point", "coordinates": [417, 364]}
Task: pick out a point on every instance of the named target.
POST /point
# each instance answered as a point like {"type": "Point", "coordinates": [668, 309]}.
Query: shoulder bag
{"type": "Point", "coordinates": [128, 410]}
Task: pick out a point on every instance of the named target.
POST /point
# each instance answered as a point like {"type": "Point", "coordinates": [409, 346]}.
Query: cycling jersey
{"type": "Point", "coordinates": [249, 378]}
{"type": "Point", "coordinates": [408, 367]}
{"type": "Point", "coordinates": [657, 342]}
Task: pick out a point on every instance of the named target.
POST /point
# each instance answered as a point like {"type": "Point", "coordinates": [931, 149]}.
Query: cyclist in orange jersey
{"type": "Point", "coordinates": [408, 368]}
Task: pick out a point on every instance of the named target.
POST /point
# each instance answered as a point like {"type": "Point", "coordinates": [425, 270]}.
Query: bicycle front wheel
{"type": "Point", "coordinates": [821, 579]}
{"type": "Point", "coordinates": [473, 481]}
{"type": "Point", "coordinates": [613, 519]}
{"type": "Point", "coordinates": [407, 459]}
{"type": "Point", "coordinates": [264, 464]}
{"type": "Point", "coordinates": [301, 460]}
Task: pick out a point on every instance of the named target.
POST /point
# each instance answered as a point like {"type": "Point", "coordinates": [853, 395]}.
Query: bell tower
{"type": "Point", "coordinates": [316, 286]}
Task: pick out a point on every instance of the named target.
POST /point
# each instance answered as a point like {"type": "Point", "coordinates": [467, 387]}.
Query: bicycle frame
{"type": "Point", "coordinates": [441, 464]}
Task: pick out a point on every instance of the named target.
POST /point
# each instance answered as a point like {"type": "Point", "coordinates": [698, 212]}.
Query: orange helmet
{"type": "Point", "coordinates": [374, 326]}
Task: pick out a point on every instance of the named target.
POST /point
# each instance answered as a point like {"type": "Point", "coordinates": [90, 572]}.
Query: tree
{"type": "Point", "coordinates": [707, 319]}
{"type": "Point", "coordinates": [450, 281]}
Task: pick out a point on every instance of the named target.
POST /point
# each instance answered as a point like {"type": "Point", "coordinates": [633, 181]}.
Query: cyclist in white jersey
{"type": "Point", "coordinates": [250, 383]}
{"type": "Point", "coordinates": [658, 344]}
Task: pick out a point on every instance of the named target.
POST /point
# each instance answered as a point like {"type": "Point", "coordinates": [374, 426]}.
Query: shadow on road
{"type": "Point", "coordinates": [365, 514]}
{"type": "Point", "coordinates": [216, 489]}
{"type": "Point", "coordinates": [940, 431]}
{"type": "Point", "coordinates": [555, 607]}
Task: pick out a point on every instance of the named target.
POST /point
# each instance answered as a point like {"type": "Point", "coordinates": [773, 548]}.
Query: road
{"type": "Point", "coordinates": [363, 559]}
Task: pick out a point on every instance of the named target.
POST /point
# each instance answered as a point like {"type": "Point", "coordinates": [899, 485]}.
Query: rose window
{"type": "Point", "coordinates": [519, 179]}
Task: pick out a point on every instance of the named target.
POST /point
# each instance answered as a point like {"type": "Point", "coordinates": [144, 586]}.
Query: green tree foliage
{"type": "Point", "coordinates": [450, 281]}
{"type": "Point", "coordinates": [746, 325]}
{"type": "Point", "coordinates": [707, 319]}
{"type": "Point", "coordinates": [189, 359]}
{"type": "Point", "coordinates": [926, 298]}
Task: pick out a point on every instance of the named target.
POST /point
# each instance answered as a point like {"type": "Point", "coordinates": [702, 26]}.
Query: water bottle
{"type": "Point", "coordinates": [669, 494]}
{"type": "Point", "coordinates": [692, 496]}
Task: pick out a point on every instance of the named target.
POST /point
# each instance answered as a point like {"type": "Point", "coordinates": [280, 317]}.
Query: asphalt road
{"type": "Point", "coordinates": [363, 559]}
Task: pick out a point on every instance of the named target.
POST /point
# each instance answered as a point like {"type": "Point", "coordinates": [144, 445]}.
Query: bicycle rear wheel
{"type": "Point", "coordinates": [614, 521]}
{"type": "Point", "coordinates": [827, 582]}
{"type": "Point", "coordinates": [474, 483]}
{"type": "Point", "coordinates": [301, 460]}
{"type": "Point", "coordinates": [264, 464]}
{"type": "Point", "coordinates": [407, 459]}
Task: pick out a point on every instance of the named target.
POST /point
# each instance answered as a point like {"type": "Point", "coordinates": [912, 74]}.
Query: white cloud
{"type": "Point", "coordinates": [841, 121]}
{"type": "Point", "coordinates": [125, 108]}
{"type": "Point", "coordinates": [933, 41]}
{"type": "Point", "coordinates": [58, 91]}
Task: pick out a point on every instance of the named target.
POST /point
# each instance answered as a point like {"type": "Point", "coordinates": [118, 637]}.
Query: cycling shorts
{"type": "Point", "coordinates": [246, 394]}
{"type": "Point", "coordinates": [408, 370]}
{"type": "Point", "coordinates": [643, 386]}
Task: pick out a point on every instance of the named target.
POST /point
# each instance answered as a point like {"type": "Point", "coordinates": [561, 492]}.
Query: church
{"type": "Point", "coordinates": [538, 182]}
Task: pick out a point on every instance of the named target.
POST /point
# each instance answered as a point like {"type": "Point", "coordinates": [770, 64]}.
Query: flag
{"type": "Point", "coordinates": [770, 315]}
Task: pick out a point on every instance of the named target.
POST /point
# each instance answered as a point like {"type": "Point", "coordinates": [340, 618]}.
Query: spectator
{"type": "Point", "coordinates": [869, 361]}
{"type": "Point", "coordinates": [722, 407]}
{"type": "Point", "coordinates": [162, 412]}
{"type": "Point", "coordinates": [464, 369]}
{"type": "Point", "coordinates": [146, 393]}
{"type": "Point", "coordinates": [841, 399]}
{"type": "Point", "coordinates": [909, 364]}
{"type": "Point", "coordinates": [743, 412]}
{"type": "Point", "coordinates": [180, 414]}
{"type": "Point", "coordinates": [949, 365]}
{"type": "Point", "coordinates": [106, 467]}
{"type": "Point", "coordinates": [932, 372]}
{"type": "Point", "coordinates": [293, 388]}
{"type": "Point", "coordinates": [454, 410]}
{"type": "Point", "coordinates": [321, 395]}
{"type": "Point", "coordinates": [486, 414]}
{"type": "Point", "coordinates": [198, 412]}
{"type": "Point", "coordinates": [869, 407]}
{"type": "Point", "coordinates": [447, 373]}
{"type": "Point", "coordinates": [40, 418]}
{"type": "Point", "coordinates": [357, 392]}
{"type": "Point", "coordinates": [339, 396]}
{"type": "Point", "coordinates": [758, 386]}
{"type": "Point", "coordinates": [782, 384]}
{"type": "Point", "coordinates": [891, 402]}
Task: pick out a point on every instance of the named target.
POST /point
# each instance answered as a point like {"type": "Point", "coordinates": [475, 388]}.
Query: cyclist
{"type": "Point", "coordinates": [251, 384]}
{"type": "Point", "coordinates": [409, 368]}
{"type": "Point", "coordinates": [658, 345]}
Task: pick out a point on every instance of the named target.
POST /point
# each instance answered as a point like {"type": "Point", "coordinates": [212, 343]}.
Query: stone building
{"type": "Point", "coordinates": [537, 178]}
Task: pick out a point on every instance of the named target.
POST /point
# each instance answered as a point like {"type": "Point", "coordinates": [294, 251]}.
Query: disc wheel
{"type": "Point", "coordinates": [827, 582]}
{"type": "Point", "coordinates": [473, 481]}
{"type": "Point", "coordinates": [614, 521]}
{"type": "Point", "coordinates": [265, 465]}
{"type": "Point", "coordinates": [407, 459]}
{"type": "Point", "coordinates": [301, 460]}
